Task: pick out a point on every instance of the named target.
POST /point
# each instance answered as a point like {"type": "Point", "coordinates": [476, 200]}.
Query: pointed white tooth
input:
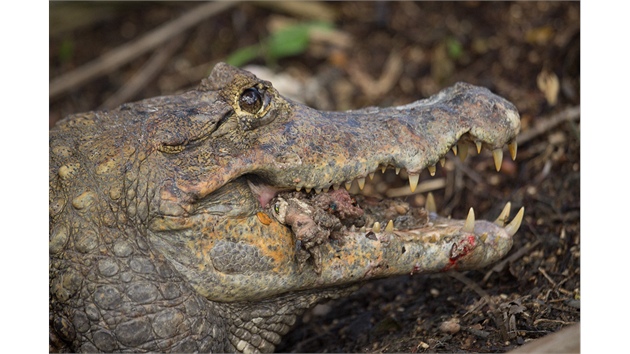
{"type": "Point", "coordinates": [371, 175]}
{"type": "Point", "coordinates": [348, 185]}
{"type": "Point", "coordinates": [512, 227]}
{"type": "Point", "coordinates": [362, 229]}
{"type": "Point", "coordinates": [336, 186]}
{"type": "Point", "coordinates": [430, 204]}
{"type": "Point", "coordinates": [318, 190]}
{"type": "Point", "coordinates": [308, 190]}
{"type": "Point", "coordinates": [361, 182]}
{"type": "Point", "coordinates": [431, 170]}
{"type": "Point", "coordinates": [463, 151]}
{"type": "Point", "coordinates": [353, 228]}
{"type": "Point", "coordinates": [497, 155]}
{"type": "Point", "coordinates": [390, 227]}
{"type": "Point", "coordinates": [397, 170]}
{"type": "Point", "coordinates": [454, 148]}
{"type": "Point", "coordinates": [505, 213]}
{"type": "Point", "coordinates": [478, 145]}
{"type": "Point", "coordinates": [383, 169]}
{"type": "Point", "coordinates": [442, 162]}
{"type": "Point", "coordinates": [326, 189]}
{"type": "Point", "coordinates": [469, 225]}
{"type": "Point", "coordinates": [413, 182]}
{"type": "Point", "coordinates": [376, 227]}
{"type": "Point", "coordinates": [298, 188]}
{"type": "Point", "coordinates": [512, 147]}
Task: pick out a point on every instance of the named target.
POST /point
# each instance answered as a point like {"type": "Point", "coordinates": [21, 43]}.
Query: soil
{"type": "Point", "coordinates": [382, 54]}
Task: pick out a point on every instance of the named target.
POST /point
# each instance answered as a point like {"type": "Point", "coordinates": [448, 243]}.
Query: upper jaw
{"type": "Point", "coordinates": [312, 150]}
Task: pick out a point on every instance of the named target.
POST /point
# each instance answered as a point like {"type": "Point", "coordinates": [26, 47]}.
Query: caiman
{"type": "Point", "coordinates": [208, 221]}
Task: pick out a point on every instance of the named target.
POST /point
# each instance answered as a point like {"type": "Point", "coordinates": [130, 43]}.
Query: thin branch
{"type": "Point", "coordinates": [147, 73]}
{"type": "Point", "coordinates": [129, 51]}
{"type": "Point", "coordinates": [547, 123]}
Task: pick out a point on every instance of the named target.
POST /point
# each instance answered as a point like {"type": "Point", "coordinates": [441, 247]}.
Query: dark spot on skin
{"type": "Point", "coordinates": [371, 235]}
{"type": "Point", "coordinates": [403, 250]}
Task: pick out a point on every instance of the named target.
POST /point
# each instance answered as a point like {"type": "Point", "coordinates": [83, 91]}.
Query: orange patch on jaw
{"type": "Point", "coordinates": [263, 218]}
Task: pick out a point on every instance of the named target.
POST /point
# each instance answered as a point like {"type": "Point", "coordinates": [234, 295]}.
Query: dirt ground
{"type": "Point", "coordinates": [381, 54]}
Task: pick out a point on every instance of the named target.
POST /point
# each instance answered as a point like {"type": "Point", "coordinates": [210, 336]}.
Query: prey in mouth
{"type": "Point", "coordinates": [260, 202]}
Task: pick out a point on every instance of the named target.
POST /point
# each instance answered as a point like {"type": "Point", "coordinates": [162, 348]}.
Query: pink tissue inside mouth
{"type": "Point", "coordinates": [263, 192]}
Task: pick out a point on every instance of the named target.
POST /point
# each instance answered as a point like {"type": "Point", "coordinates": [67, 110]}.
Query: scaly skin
{"type": "Point", "coordinates": [163, 237]}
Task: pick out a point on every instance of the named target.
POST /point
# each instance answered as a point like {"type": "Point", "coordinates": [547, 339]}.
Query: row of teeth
{"type": "Point", "coordinates": [469, 224]}
{"type": "Point", "coordinates": [460, 149]}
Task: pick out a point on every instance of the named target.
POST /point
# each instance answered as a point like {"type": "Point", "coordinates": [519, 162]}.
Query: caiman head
{"type": "Point", "coordinates": [220, 156]}
{"type": "Point", "coordinates": [241, 190]}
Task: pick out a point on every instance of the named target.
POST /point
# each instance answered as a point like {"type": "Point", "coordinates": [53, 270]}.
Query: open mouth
{"type": "Point", "coordinates": [268, 211]}
{"type": "Point", "coordinates": [331, 213]}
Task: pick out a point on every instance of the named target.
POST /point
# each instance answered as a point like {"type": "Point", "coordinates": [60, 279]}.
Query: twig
{"type": "Point", "coordinates": [144, 75]}
{"type": "Point", "coordinates": [516, 255]}
{"type": "Point", "coordinates": [131, 50]}
{"type": "Point", "coordinates": [542, 271]}
{"type": "Point", "coordinates": [547, 123]}
{"type": "Point", "coordinates": [378, 87]}
{"type": "Point", "coordinates": [423, 187]}
{"type": "Point", "coordinates": [472, 285]}
{"type": "Point", "coordinates": [564, 323]}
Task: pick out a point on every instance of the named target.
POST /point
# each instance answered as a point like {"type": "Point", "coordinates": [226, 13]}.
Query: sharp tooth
{"type": "Point", "coordinates": [348, 185]}
{"type": "Point", "coordinates": [512, 227]}
{"type": "Point", "coordinates": [318, 190]}
{"type": "Point", "coordinates": [383, 169]}
{"type": "Point", "coordinates": [497, 155]}
{"type": "Point", "coordinates": [362, 229]}
{"type": "Point", "coordinates": [454, 148]}
{"type": "Point", "coordinates": [376, 227]}
{"type": "Point", "coordinates": [463, 151]}
{"type": "Point", "coordinates": [442, 162]}
{"type": "Point", "coordinates": [397, 170]}
{"type": "Point", "coordinates": [469, 225]}
{"type": "Point", "coordinates": [390, 227]}
{"type": "Point", "coordinates": [413, 182]}
{"type": "Point", "coordinates": [298, 188]}
{"type": "Point", "coordinates": [353, 228]}
{"type": "Point", "coordinates": [308, 190]}
{"type": "Point", "coordinates": [430, 204]}
{"type": "Point", "coordinates": [478, 144]}
{"type": "Point", "coordinates": [361, 182]}
{"type": "Point", "coordinates": [326, 189]}
{"type": "Point", "coordinates": [483, 237]}
{"type": "Point", "coordinates": [512, 147]}
{"type": "Point", "coordinates": [336, 186]}
{"type": "Point", "coordinates": [431, 170]}
{"type": "Point", "coordinates": [371, 175]}
{"type": "Point", "coordinates": [505, 213]}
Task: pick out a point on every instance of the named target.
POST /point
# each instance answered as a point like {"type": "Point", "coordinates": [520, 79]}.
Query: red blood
{"type": "Point", "coordinates": [460, 249]}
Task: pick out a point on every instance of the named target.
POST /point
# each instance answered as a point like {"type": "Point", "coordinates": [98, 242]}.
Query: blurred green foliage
{"type": "Point", "coordinates": [288, 41]}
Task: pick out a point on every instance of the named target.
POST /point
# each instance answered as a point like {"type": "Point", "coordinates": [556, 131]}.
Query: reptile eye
{"type": "Point", "coordinates": [276, 208]}
{"type": "Point", "coordinates": [251, 100]}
